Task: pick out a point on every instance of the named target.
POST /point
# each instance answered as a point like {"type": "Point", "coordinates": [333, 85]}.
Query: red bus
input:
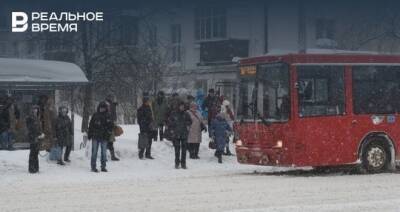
{"type": "Point", "coordinates": [319, 110]}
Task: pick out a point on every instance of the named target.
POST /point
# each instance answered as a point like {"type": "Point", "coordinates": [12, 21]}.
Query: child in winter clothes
{"type": "Point", "coordinates": [220, 130]}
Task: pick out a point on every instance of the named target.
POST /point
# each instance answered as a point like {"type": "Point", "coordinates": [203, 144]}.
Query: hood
{"type": "Point", "coordinates": [102, 105]}
{"type": "Point", "coordinates": [200, 94]}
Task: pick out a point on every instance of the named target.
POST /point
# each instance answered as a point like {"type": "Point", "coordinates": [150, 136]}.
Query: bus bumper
{"type": "Point", "coordinates": [261, 156]}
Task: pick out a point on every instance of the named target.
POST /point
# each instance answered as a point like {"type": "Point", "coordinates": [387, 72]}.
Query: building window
{"type": "Point", "coordinates": [176, 41]}
{"type": "Point", "coordinates": [325, 29]}
{"type": "Point", "coordinates": [121, 30]}
{"type": "Point", "coordinates": [210, 23]}
{"type": "Point", "coordinates": [153, 36]}
{"type": "Point", "coordinates": [3, 48]}
{"type": "Point", "coordinates": [3, 22]}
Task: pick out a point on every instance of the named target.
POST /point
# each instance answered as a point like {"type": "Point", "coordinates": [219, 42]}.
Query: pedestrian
{"type": "Point", "coordinates": [35, 136]}
{"type": "Point", "coordinates": [9, 118]}
{"type": "Point", "coordinates": [211, 104]}
{"type": "Point", "coordinates": [160, 109]}
{"type": "Point", "coordinates": [179, 123]}
{"type": "Point", "coordinates": [47, 119]}
{"type": "Point", "coordinates": [100, 130]}
{"type": "Point", "coordinates": [228, 115]}
{"type": "Point", "coordinates": [220, 131]}
{"type": "Point", "coordinates": [200, 101]}
{"type": "Point", "coordinates": [64, 134]}
{"type": "Point", "coordinates": [173, 103]}
{"type": "Point", "coordinates": [194, 138]}
{"type": "Point", "coordinates": [112, 109]}
{"type": "Point", "coordinates": [189, 100]}
{"type": "Point", "coordinates": [146, 125]}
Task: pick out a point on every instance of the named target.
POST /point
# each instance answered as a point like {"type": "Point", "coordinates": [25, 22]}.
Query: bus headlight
{"type": "Point", "coordinates": [279, 144]}
{"type": "Point", "coordinates": [239, 143]}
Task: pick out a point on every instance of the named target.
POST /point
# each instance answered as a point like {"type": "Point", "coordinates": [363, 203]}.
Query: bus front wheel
{"type": "Point", "coordinates": [376, 156]}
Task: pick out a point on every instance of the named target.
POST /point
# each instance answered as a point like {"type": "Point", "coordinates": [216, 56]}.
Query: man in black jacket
{"type": "Point", "coordinates": [35, 135]}
{"type": "Point", "coordinates": [112, 108]}
{"type": "Point", "coordinates": [179, 122]}
{"type": "Point", "coordinates": [100, 129]}
{"type": "Point", "coordinates": [145, 120]}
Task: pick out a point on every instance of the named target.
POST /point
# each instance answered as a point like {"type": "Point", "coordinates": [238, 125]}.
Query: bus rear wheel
{"type": "Point", "coordinates": [376, 156]}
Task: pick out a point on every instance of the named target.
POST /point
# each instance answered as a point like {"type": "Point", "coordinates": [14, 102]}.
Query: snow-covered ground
{"type": "Point", "coordinates": [154, 185]}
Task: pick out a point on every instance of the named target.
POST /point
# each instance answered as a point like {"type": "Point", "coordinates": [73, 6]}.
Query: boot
{"type": "Point", "coordinates": [228, 152]}
{"type": "Point", "coordinates": [60, 162]}
{"type": "Point", "coordinates": [183, 166]}
{"type": "Point", "coordinates": [176, 166]}
{"type": "Point", "coordinates": [149, 157]}
{"type": "Point", "coordinates": [95, 170]}
{"type": "Point", "coordinates": [219, 159]}
{"type": "Point", "coordinates": [104, 170]}
{"type": "Point", "coordinates": [113, 157]}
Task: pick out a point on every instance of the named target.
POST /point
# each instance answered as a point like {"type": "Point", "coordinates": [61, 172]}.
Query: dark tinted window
{"type": "Point", "coordinates": [376, 89]}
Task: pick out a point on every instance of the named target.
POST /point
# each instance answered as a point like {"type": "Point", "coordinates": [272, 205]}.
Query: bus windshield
{"type": "Point", "coordinates": [266, 95]}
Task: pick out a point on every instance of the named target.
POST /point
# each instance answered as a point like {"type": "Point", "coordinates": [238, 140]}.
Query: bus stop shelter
{"type": "Point", "coordinates": [26, 79]}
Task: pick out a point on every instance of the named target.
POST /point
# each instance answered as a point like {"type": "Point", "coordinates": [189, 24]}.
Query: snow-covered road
{"type": "Point", "coordinates": [153, 185]}
{"type": "Point", "coordinates": [222, 192]}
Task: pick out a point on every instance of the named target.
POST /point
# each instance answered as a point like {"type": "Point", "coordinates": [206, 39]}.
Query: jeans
{"type": "Point", "coordinates": [34, 158]}
{"type": "Point", "coordinates": [6, 139]}
{"type": "Point", "coordinates": [148, 149]}
{"type": "Point", "coordinates": [180, 146]}
{"type": "Point", "coordinates": [95, 147]}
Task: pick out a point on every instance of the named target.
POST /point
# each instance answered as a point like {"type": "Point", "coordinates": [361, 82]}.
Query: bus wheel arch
{"type": "Point", "coordinates": [377, 153]}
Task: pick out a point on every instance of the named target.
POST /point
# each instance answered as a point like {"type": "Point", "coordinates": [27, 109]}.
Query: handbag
{"type": "Point", "coordinates": [202, 125]}
{"type": "Point", "coordinates": [118, 131]}
{"type": "Point", "coordinates": [143, 141]}
{"type": "Point", "coordinates": [212, 145]}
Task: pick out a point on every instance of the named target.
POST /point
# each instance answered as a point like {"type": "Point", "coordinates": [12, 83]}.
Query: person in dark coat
{"type": "Point", "coordinates": [9, 116]}
{"type": "Point", "coordinates": [160, 109]}
{"type": "Point", "coordinates": [112, 108]}
{"type": "Point", "coordinates": [100, 130]}
{"type": "Point", "coordinates": [211, 105]}
{"type": "Point", "coordinates": [35, 135]}
{"type": "Point", "coordinates": [64, 133]}
{"type": "Point", "coordinates": [179, 123]}
{"type": "Point", "coordinates": [145, 121]}
{"type": "Point", "coordinates": [220, 130]}
{"type": "Point", "coordinates": [173, 103]}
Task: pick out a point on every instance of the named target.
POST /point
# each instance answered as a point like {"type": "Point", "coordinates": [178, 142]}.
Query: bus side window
{"type": "Point", "coordinates": [321, 90]}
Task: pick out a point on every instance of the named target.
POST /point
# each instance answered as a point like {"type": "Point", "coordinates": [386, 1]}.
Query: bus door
{"type": "Point", "coordinates": [322, 127]}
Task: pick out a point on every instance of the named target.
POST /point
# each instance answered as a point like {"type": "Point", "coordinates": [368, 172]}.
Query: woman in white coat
{"type": "Point", "coordinates": [198, 125]}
